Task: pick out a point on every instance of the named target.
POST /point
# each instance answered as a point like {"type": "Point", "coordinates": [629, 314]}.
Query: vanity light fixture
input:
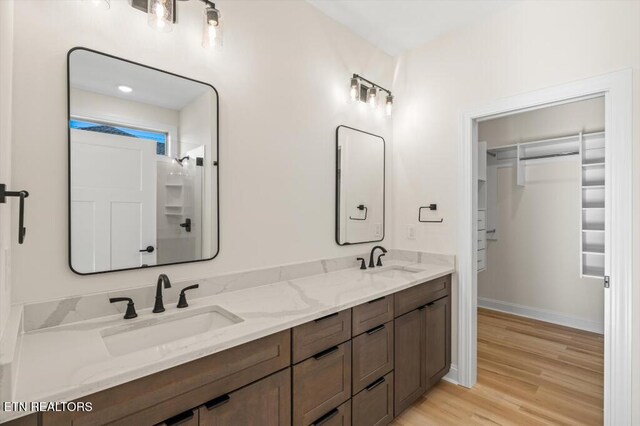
{"type": "Point", "coordinates": [355, 89]}
{"type": "Point", "coordinates": [367, 91]}
{"type": "Point", "coordinates": [211, 29]}
{"type": "Point", "coordinates": [389, 104]}
{"type": "Point", "coordinates": [373, 92]}
{"type": "Point", "coordinates": [125, 89]}
{"type": "Point", "coordinates": [162, 15]}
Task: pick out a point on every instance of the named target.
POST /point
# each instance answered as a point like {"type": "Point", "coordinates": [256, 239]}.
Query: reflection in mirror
{"type": "Point", "coordinates": [143, 175]}
{"type": "Point", "coordinates": [360, 186]}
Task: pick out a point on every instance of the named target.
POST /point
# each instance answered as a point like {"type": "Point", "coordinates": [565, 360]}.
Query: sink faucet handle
{"type": "Point", "coordinates": [379, 263]}
{"type": "Point", "coordinates": [131, 309]}
{"type": "Point", "coordinates": [363, 264]}
{"type": "Point", "coordinates": [182, 302]}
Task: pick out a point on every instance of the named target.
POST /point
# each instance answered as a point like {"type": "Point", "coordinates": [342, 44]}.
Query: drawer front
{"type": "Point", "coordinates": [188, 418]}
{"type": "Point", "coordinates": [321, 383]}
{"type": "Point", "coordinates": [482, 259]}
{"type": "Point", "coordinates": [372, 355]}
{"type": "Point", "coordinates": [482, 240]}
{"type": "Point", "coordinates": [374, 405]}
{"type": "Point", "coordinates": [321, 334]}
{"type": "Point", "coordinates": [372, 314]}
{"type": "Point", "coordinates": [160, 396]}
{"type": "Point", "coordinates": [482, 220]}
{"type": "Point", "coordinates": [264, 403]}
{"type": "Point", "coordinates": [340, 416]}
{"type": "Point", "coordinates": [415, 297]}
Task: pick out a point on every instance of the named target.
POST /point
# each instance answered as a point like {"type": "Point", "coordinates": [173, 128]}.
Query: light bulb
{"type": "Point", "coordinates": [355, 89]}
{"type": "Point", "coordinates": [389, 104]}
{"type": "Point", "coordinates": [99, 4]}
{"type": "Point", "coordinates": [160, 14]}
{"type": "Point", "coordinates": [211, 29]}
{"type": "Point", "coordinates": [373, 92]}
{"type": "Point", "coordinates": [125, 89]}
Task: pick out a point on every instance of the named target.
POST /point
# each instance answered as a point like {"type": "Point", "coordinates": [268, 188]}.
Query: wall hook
{"type": "Point", "coordinates": [22, 231]}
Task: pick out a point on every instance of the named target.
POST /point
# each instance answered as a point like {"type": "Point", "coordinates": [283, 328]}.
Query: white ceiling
{"type": "Point", "coordinates": [101, 74]}
{"type": "Point", "coordinates": [399, 25]}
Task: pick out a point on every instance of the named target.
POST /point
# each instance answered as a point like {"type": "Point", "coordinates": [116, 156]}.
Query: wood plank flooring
{"type": "Point", "coordinates": [529, 373]}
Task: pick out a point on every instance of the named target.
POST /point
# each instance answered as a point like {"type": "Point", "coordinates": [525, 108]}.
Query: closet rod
{"type": "Point", "coordinates": [560, 154]}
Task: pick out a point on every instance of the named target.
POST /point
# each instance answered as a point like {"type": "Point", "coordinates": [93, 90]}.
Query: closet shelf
{"type": "Point", "coordinates": [592, 165]}
{"type": "Point", "coordinates": [596, 252]}
{"type": "Point", "coordinates": [594, 186]}
{"type": "Point", "coordinates": [593, 272]}
{"type": "Point", "coordinates": [593, 229]}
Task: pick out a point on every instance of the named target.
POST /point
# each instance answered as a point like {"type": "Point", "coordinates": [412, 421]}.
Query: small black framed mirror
{"type": "Point", "coordinates": [360, 186]}
{"type": "Point", "coordinates": [143, 165]}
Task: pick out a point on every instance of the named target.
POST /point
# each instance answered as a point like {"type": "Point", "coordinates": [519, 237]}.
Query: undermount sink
{"type": "Point", "coordinates": [162, 331]}
{"type": "Point", "coordinates": [396, 271]}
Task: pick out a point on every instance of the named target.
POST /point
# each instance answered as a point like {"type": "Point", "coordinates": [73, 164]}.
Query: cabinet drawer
{"type": "Point", "coordinates": [321, 383]}
{"type": "Point", "coordinates": [482, 220]}
{"type": "Point", "coordinates": [160, 396]}
{"type": "Point", "coordinates": [374, 405]}
{"type": "Point", "coordinates": [340, 416]}
{"type": "Point", "coordinates": [482, 259]}
{"type": "Point", "coordinates": [372, 355]}
{"type": "Point", "coordinates": [264, 403]}
{"type": "Point", "coordinates": [415, 297]}
{"type": "Point", "coordinates": [321, 334]}
{"type": "Point", "coordinates": [372, 314]}
{"type": "Point", "coordinates": [188, 418]}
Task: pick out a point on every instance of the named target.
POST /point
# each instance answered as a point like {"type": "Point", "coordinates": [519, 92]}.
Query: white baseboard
{"type": "Point", "coordinates": [542, 315]}
{"type": "Point", "coordinates": [452, 375]}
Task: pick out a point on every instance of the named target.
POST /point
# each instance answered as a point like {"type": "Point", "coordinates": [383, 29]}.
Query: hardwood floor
{"type": "Point", "coordinates": [529, 373]}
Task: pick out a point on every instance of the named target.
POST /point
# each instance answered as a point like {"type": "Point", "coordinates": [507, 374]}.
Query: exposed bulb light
{"type": "Point", "coordinates": [125, 89]}
{"type": "Point", "coordinates": [355, 89]}
{"type": "Point", "coordinates": [389, 104]}
{"type": "Point", "coordinates": [211, 30]}
{"type": "Point", "coordinates": [373, 92]}
{"type": "Point", "coordinates": [160, 14]}
{"type": "Point", "coordinates": [99, 4]}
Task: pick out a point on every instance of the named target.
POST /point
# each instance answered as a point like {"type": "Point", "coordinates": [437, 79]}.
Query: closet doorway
{"type": "Point", "coordinates": [541, 226]}
{"type": "Point", "coordinates": [614, 246]}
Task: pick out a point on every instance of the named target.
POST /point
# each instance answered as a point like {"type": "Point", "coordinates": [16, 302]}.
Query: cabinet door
{"type": "Point", "coordinates": [372, 356]}
{"type": "Point", "coordinates": [410, 359]}
{"type": "Point", "coordinates": [438, 337]}
{"type": "Point", "coordinates": [264, 403]}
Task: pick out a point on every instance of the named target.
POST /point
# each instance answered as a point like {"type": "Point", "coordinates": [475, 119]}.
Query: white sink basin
{"type": "Point", "coordinates": [166, 329]}
{"type": "Point", "coordinates": [396, 271]}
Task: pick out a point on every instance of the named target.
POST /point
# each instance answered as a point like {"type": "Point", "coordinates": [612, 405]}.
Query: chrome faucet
{"type": "Point", "coordinates": [371, 263]}
{"type": "Point", "coordinates": [162, 280]}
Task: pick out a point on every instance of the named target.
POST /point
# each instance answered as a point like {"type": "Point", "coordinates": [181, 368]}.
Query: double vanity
{"type": "Point", "coordinates": [345, 347]}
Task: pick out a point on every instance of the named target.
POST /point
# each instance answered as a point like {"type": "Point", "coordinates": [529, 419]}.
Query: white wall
{"type": "Point", "coordinates": [536, 260]}
{"type": "Point", "coordinates": [283, 78]}
{"type": "Point", "coordinates": [7, 233]}
{"type": "Point", "coordinates": [529, 46]}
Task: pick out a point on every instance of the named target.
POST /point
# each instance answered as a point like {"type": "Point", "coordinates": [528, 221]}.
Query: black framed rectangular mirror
{"type": "Point", "coordinates": [360, 186]}
{"type": "Point", "coordinates": [143, 165]}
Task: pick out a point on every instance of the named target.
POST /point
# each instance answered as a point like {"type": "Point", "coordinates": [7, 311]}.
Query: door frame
{"type": "Point", "coordinates": [616, 87]}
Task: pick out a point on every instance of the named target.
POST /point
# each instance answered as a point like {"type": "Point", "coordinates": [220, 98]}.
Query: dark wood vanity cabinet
{"type": "Point", "coordinates": [361, 366]}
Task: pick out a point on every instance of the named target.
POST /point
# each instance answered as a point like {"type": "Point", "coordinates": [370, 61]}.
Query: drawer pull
{"type": "Point", "coordinates": [322, 420]}
{"type": "Point", "coordinates": [421, 308]}
{"type": "Point", "coordinates": [179, 419]}
{"type": "Point", "coordinates": [217, 402]}
{"type": "Point", "coordinates": [376, 300]}
{"type": "Point", "coordinates": [325, 353]}
{"type": "Point", "coordinates": [327, 317]}
{"type": "Point", "coordinates": [375, 384]}
{"type": "Point", "coordinates": [375, 329]}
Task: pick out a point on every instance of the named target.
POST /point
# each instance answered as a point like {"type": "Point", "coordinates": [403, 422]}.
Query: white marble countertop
{"type": "Point", "coordinates": [71, 361]}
